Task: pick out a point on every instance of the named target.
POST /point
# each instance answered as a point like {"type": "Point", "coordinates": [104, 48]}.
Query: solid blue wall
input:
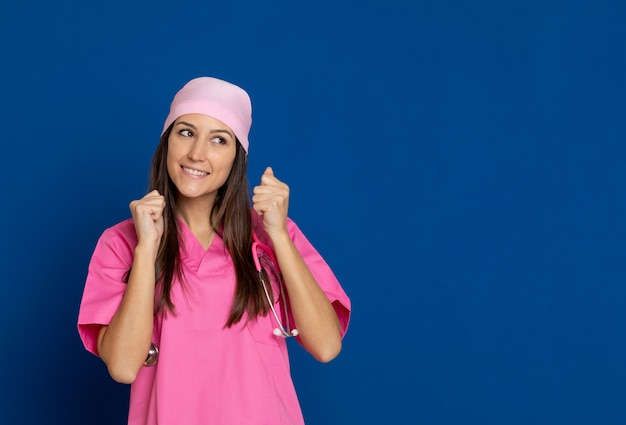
{"type": "Point", "coordinates": [459, 164]}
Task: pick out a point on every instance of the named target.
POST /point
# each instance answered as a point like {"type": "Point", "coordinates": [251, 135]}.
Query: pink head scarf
{"type": "Point", "coordinates": [218, 99]}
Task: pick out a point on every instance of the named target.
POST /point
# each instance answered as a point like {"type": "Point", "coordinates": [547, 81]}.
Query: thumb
{"type": "Point", "coordinates": [267, 173]}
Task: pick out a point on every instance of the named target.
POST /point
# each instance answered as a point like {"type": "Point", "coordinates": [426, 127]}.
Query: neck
{"type": "Point", "coordinates": [197, 216]}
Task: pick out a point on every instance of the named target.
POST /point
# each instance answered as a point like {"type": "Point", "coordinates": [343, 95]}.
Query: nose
{"type": "Point", "coordinates": [197, 151]}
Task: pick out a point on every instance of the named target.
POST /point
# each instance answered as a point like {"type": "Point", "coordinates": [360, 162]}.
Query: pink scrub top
{"type": "Point", "coordinates": [206, 373]}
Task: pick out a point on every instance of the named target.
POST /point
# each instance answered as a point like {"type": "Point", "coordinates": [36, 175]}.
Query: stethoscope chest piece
{"type": "Point", "coordinates": [153, 355]}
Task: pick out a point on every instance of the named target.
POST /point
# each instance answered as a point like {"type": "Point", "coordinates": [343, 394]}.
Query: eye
{"type": "Point", "coordinates": [219, 140]}
{"type": "Point", "coordinates": [185, 133]}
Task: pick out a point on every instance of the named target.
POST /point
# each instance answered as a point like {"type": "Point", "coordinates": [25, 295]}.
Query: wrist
{"type": "Point", "coordinates": [149, 250]}
{"type": "Point", "coordinates": [279, 236]}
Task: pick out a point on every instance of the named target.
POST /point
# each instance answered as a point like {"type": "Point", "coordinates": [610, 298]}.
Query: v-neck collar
{"type": "Point", "coordinates": [192, 253]}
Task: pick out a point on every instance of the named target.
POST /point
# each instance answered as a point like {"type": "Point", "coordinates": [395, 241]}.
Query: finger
{"type": "Point", "coordinates": [150, 204]}
{"type": "Point", "coordinates": [269, 196]}
{"type": "Point", "coordinates": [268, 190]}
{"type": "Point", "coordinates": [153, 195]}
{"type": "Point", "coordinates": [150, 196]}
{"type": "Point", "coordinates": [268, 178]}
{"type": "Point", "coordinates": [272, 186]}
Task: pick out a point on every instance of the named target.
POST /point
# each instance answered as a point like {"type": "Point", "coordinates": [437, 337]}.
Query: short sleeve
{"type": "Point", "coordinates": [105, 282]}
{"type": "Point", "coordinates": [323, 274]}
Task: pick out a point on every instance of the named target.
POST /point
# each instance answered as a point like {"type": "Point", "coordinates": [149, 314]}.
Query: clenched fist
{"type": "Point", "coordinates": [271, 200]}
{"type": "Point", "coordinates": [147, 215]}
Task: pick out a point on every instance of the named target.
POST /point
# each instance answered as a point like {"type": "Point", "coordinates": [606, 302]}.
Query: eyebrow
{"type": "Point", "coordinates": [219, 130]}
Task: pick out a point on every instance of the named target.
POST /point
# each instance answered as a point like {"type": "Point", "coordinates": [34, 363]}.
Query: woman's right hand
{"type": "Point", "coordinates": [147, 215]}
{"type": "Point", "coordinates": [124, 343]}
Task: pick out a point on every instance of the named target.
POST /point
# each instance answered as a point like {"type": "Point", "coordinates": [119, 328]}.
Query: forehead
{"type": "Point", "coordinates": [203, 122]}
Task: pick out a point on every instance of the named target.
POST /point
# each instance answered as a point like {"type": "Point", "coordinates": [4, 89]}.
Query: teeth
{"type": "Point", "coordinates": [194, 172]}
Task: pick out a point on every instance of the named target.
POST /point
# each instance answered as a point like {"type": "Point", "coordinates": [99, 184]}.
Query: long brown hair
{"type": "Point", "coordinates": [231, 219]}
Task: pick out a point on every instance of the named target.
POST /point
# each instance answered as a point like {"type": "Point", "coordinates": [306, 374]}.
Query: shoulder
{"type": "Point", "coordinates": [124, 229]}
{"type": "Point", "coordinates": [122, 234]}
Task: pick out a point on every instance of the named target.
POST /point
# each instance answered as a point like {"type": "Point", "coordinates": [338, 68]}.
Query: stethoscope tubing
{"type": "Point", "coordinates": [281, 330]}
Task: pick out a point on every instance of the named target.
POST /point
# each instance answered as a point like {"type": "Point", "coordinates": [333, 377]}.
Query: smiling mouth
{"type": "Point", "coordinates": [194, 172]}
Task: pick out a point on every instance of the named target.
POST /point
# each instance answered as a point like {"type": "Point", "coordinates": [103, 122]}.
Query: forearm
{"type": "Point", "coordinates": [315, 318]}
{"type": "Point", "coordinates": [123, 345]}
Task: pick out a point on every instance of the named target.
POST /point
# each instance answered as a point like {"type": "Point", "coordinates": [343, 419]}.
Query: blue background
{"type": "Point", "coordinates": [459, 164]}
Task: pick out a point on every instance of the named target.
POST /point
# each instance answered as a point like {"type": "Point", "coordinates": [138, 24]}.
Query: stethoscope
{"type": "Point", "coordinates": [267, 259]}
{"type": "Point", "coordinates": [264, 258]}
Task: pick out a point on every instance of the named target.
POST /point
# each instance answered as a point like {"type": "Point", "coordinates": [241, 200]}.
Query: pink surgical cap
{"type": "Point", "coordinates": [218, 99]}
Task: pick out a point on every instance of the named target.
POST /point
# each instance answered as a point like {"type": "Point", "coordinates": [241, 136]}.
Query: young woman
{"type": "Point", "coordinates": [174, 302]}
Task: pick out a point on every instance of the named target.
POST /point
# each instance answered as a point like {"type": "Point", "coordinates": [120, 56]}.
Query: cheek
{"type": "Point", "coordinates": [224, 161]}
{"type": "Point", "coordinates": [224, 170]}
{"type": "Point", "coordinates": [171, 162]}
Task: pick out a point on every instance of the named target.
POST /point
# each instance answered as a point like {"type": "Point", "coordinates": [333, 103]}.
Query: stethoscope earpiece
{"type": "Point", "coordinates": [284, 334]}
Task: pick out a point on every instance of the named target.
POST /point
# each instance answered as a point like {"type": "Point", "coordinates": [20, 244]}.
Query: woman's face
{"type": "Point", "coordinates": [201, 151]}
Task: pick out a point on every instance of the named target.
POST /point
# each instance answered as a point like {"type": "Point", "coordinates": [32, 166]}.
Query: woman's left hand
{"type": "Point", "coordinates": [271, 201]}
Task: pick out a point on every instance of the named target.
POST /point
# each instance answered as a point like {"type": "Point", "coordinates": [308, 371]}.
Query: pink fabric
{"type": "Point", "coordinates": [206, 374]}
{"type": "Point", "coordinates": [218, 99]}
